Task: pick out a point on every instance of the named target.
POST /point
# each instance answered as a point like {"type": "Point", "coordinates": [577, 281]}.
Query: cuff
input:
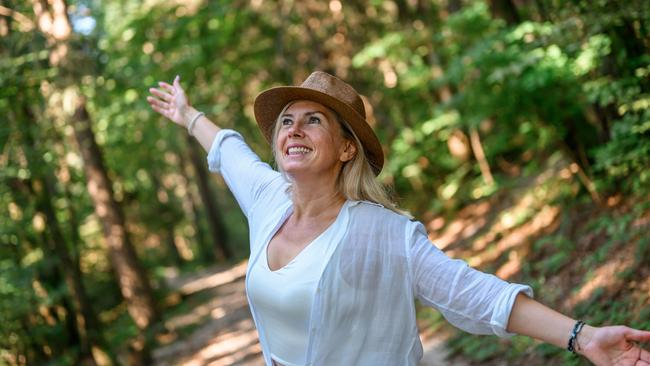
{"type": "Point", "coordinates": [503, 308]}
{"type": "Point", "coordinates": [214, 155]}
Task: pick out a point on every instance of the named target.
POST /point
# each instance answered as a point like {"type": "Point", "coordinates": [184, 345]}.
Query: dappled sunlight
{"type": "Point", "coordinates": [605, 276]}
{"type": "Point", "coordinates": [468, 222]}
{"type": "Point", "coordinates": [501, 230]}
{"type": "Point", "coordinates": [208, 279]}
{"type": "Point", "coordinates": [225, 344]}
{"type": "Point", "coordinates": [225, 333]}
{"type": "Point", "coordinates": [541, 222]}
{"type": "Point", "coordinates": [230, 348]}
{"type": "Point", "coordinates": [512, 266]}
{"type": "Point", "coordinates": [216, 308]}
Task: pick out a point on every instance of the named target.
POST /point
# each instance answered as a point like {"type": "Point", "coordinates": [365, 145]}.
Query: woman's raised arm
{"type": "Point", "coordinates": [171, 102]}
{"type": "Point", "coordinates": [604, 346]}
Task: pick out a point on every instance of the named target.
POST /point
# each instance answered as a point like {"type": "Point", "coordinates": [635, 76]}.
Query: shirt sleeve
{"type": "Point", "coordinates": [469, 299]}
{"type": "Point", "coordinates": [245, 174]}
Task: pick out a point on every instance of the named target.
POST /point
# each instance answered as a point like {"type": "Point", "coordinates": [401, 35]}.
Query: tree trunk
{"type": "Point", "coordinates": [454, 6]}
{"type": "Point", "coordinates": [170, 243]}
{"type": "Point", "coordinates": [167, 220]}
{"type": "Point", "coordinates": [215, 221]}
{"type": "Point", "coordinates": [191, 208]}
{"type": "Point", "coordinates": [506, 10]}
{"type": "Point", "coordinates": [132, 280]}
{"type": "Point", "coordinates": [85, 320]}
{"type": "Point", "coordinates": [479, 154]}
{"type": "Point", "coordinates": [541, 10]}
{"type": "Point", "coordinates": [134, 285]}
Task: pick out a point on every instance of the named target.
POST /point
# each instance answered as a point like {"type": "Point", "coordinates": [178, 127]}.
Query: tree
{"type": "Point", "coordinates": [134, 285]}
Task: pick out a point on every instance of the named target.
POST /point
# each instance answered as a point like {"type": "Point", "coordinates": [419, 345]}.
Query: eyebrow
{"type": "Point", "coordinates": [307, 114]}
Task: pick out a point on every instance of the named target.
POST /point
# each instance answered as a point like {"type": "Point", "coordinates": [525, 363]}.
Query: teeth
{"type": "Point", "coordinates": [298, 150]}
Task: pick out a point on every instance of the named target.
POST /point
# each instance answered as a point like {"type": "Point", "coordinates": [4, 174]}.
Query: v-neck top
{"type": "Point", "coordinates": [283, 298]}
{"type": "Point", "coordinates": [362, 312]}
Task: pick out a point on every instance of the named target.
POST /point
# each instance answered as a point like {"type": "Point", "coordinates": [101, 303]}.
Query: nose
{"type": "Point", "coordinates": [296, 130]}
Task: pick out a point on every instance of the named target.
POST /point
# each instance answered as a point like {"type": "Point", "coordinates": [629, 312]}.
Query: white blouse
{"type": "Point", "coordinates": [284, 297]}
{"type": "Point", "coordinates": [363, 310]}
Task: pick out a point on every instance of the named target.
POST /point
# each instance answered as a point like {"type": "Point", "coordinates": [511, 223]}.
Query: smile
{"type": "Point", "coordinates": [298, 150]}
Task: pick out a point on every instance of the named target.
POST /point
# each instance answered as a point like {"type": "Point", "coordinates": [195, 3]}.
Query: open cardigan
{"type": "Point", "coordinates": [363, 311]}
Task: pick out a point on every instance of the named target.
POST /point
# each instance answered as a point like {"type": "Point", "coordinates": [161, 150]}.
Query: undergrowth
{"type": "Point", "coordinates": [594, 266]}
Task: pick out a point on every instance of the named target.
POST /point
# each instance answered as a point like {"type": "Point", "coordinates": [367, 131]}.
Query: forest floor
{"type": "Point", "coordinates": [585, 259]}
{"type": "Point", "coordinates": [214, 326]}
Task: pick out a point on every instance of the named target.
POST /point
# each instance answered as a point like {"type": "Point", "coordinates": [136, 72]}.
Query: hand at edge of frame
{"type": "Point", "coordinates": [614, 346]}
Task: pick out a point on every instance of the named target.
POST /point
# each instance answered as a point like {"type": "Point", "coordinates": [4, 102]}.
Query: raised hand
{"type": "Point", "coordinates": [170, 101]}
{"type": "Point", "coordinates": [615, 346]}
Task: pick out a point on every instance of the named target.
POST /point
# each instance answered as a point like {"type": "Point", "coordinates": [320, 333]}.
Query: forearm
{"type": "Point", "coordinates": [533, 319]}
{"type": "Point", "coordinates": [203, 130]}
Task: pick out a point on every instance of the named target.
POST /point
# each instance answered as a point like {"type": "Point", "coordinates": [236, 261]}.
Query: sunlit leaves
{"type": "Point", "coordinates": [378, 49]}
{"type": "Point", "coordinates": [592, 53]}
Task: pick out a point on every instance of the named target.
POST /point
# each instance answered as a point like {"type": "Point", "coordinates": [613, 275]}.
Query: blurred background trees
{"type": "Point", "coordinates": [100, 199]}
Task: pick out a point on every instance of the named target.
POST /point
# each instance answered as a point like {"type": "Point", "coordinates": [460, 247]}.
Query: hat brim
{"type": "Point", "coordinates": [269, 103]}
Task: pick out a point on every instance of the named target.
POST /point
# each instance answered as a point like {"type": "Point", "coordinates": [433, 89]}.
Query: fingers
{"type": "Point", "coordinates": [160, 94]}
{"type": "Point", "coordinates": [177, 82]}
{"type": "Point", "coordinates": [637, 335]}
{"type": "Point", "coordinates": [159, 107]}
{"type": "Point", "coordinates": [166, 86]}
{"type": "Point", "coordinates": [158, 103]}
{"type": "Point", "coordinates": [159, 110]}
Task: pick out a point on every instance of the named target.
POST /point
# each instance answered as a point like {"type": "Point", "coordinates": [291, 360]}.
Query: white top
{"type": "Point", "coordinates": [283, 298]}
{"type": "Point", "coordinates": [363, 311]}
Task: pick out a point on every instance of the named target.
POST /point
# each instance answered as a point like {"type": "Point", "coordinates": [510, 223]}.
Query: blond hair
{"type": "Point", "coordinates": [356, 179]}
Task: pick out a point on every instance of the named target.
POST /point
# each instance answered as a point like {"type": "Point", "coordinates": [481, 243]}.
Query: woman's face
{"type": "Point", "coordinates": [310, 141]}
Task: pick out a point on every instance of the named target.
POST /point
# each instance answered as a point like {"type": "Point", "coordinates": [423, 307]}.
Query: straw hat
{"type": "Point", "coordinates": [331, 92]}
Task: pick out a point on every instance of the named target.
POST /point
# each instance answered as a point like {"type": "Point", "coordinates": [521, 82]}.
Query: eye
{"type": "Point", "coordinates": [286, 121]}
{"type": "Point", "coordinates": [314, 119]}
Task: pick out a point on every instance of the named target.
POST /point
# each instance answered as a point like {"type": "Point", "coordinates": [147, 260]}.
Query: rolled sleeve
{"type": "Point", "coordinates": [214, 155]}
{"type": "Point", "coordinates": [471, 300]}
{"type": "Point", "coordinates": [503, 307]}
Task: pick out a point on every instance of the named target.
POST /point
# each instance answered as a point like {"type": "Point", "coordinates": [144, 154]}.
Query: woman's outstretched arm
{"type": "Point", "coordinates": [171, 102]}
{"type": "Point", "coordinates": [604, 346]}
{"type": "Point", "coordinates": [247, 177]}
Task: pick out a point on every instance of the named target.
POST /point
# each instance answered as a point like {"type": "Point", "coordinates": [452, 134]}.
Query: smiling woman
{"type": "Point", "coordinates": [334, 266]}
{"type": "Point", "coordinates": [308, 140]}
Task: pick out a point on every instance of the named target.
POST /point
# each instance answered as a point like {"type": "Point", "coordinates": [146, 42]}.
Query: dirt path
{"type": "Point", "coordinates": [218, 330]}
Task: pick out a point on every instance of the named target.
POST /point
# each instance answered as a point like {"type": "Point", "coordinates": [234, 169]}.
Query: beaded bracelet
{"type": "Point", "coordinates": [574, 336]}
{"type": "Point", "coordinates": [190, 126]}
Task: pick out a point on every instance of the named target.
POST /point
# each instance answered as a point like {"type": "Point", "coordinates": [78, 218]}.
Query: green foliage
{"type": "Point", "coordinates": [568, 83]}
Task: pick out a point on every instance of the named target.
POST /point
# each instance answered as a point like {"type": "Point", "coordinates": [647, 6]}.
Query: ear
{"type": "Point", "coordinates": [349, 150]}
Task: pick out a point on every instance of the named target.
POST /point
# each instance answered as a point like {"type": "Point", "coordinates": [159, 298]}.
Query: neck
{"type": "Point", "coordinates": [315, 199]}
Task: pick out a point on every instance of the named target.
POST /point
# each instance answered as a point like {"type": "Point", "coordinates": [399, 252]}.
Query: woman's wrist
{"type": "Point", "coordinates": [583, 339]}
{"type": "Point", "coordinates": [187, 115]}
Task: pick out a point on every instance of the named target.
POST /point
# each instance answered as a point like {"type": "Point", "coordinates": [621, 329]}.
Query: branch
{"type": "Point", "coordinates": [26, 24]}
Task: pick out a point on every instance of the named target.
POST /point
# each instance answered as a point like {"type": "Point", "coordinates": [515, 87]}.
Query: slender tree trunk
{"type": "Point", "coordinates": [191, 208]}
{"type": "Point", "coordinates": [83, 316]}
{"type": "Point", "coordinates": [578, 169]}
{"type": "Point", "coordinates": [170, 243]}
{"type": "Point", "coordinates": [506, 10]}
{"type": "Point", "coordinates": [217, 229]}
{"type": "Point", "coordinates": [166, 232]}
{"type": "Point", "coordinates": [454, 6]}
{"type": "Point", "coordinates": [133, 282]}
{"type": "Point", "coordinates": [87, 326]}
{"type": "Point", "coordinates": [541, 10]}
{"type": "Point", "coordinates": [479, 154]}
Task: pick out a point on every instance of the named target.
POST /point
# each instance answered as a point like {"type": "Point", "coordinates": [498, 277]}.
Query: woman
{"type": "Point", "coordinates": [334, 266]}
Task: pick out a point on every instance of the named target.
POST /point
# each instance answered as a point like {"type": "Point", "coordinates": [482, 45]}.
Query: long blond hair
{"type": "Point", "coordinates": [356, 180]}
